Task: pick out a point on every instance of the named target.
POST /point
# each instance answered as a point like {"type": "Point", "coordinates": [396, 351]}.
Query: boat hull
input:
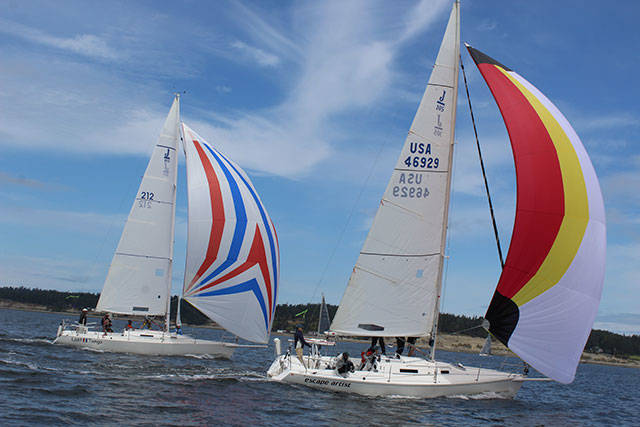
{"type": "Point", "coordinates": [144, 342]}
{"type": "Point", "coordinates": [407, 377]}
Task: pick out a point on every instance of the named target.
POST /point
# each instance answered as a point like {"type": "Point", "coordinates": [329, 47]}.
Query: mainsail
{"type": "Point", "coordinates": [549, 291]}
{"type": "Point", "coordinates": [139, 278]}
{"type": "Point", "coordinates": [486, 348]}
{"type": "Point", "coordinates": [395, 285]}
{"type": "Point", "coordinates": [232, 265]}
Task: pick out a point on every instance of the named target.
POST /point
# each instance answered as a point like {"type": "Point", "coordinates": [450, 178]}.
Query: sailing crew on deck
{"type": "Point", "coordinates": [299, 343]}
{"type": "Point", "coordinates": [146, 324]}
{"type": "Point", "coordinates": [106, 323]}
{"type": "Point", "coordinates": [129, 326]}
{"type": "Point", "coordinates": [370, 360]}
{"type": "Point", "coordinates": [380, 340]}
{"type": "Point", "coordinates": [400, 346]}
{"type": "Point", "coordinates": [83, 317]}
{"type": "Point", "coordinates": [344, 365]}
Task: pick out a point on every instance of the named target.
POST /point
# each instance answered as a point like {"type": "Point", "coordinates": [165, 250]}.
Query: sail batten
{"type": "Point", "coordinates": [395, 284]}
{"type": "Point", "coordinates": [549, 291]}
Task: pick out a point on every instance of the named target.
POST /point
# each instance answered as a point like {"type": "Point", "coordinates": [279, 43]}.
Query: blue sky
{"type": "Point", "coordinates": [314, 99]}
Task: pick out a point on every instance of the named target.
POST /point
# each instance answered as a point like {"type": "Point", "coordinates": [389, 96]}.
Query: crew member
{"type": "Point", "coordinates": [83, 317]}
{"type": "Point", "coordinates": [380, 340]}
{"type": "Point", "coordinates": [344, 365]}
{"type": "Point", "coordinates": [400, 346]}
{"type": "Point", "coordinates": [299, 343]}
{"type": "Point", "coordinates": [129, 326]}
{"type": "Point", "coordinates": [106, 323]}
{"type": "Point", "coordinates": [369, 360]}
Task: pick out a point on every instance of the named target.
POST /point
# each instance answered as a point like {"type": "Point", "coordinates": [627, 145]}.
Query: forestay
{"type": "Point", "coordinates": [549, 291]}
{"type": "Point", "coordinates": [395, 284]}
{"type": "Point", "coordinates": [139, 278]}
{"type": "Point", "coordinates": [232, 267]}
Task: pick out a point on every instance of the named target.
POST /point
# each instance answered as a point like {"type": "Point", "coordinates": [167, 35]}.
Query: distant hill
{"type": "Point", "coordinates": [286, 319]}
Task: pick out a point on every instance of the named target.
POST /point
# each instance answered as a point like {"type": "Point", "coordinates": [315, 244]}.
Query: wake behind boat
{"type": "Point", "coordinates": [549, 291]}
{"type": "Point", "coordinates": [232, 262]}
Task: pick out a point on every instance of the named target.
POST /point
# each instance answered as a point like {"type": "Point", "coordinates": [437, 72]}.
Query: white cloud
{"type": "Point", "coordinates": [422, 16]}
{"type": "Point", "coordinates": [337, 59]}
{"type": "Point", "coordinates": [609, 121]}
{"type": "Point", "coordinates": [51, 273]}
{"type": "Point", "coordinates": [261, 57]}
{"type": "Point", "coordinates": [487, 25]}
{"type": "Point", "coordinates": [83, 44]}
{"type": "Point", "coordinates": [85, 222]}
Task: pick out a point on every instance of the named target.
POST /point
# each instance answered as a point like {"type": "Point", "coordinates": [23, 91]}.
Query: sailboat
{"type": "Point", "coordinates": [232, 260]}
{"type": "Point", "coordinates": [549, 291]}
{"type": "Point", "coordinates": [324, 320]}
{"type": "Point", "coordinates": [486, 347]}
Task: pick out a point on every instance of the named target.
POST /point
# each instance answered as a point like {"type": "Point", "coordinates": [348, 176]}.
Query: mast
{"type": "Point", "coordinates": [184, 281]}
{"type": "Point", "coordinates": [436, 316]}
{"type": "Point", "coordinates": [173, 222]}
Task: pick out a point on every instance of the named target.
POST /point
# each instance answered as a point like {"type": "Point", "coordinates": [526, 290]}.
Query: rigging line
{"type": "Point", "coordinates": [125, 195]}
{"type": "Point", "coordinates": [448, 244]}
{"type": "Point", "coordinates": [484, 175]}
{"type": "Point", "coordinates": [344, 228]}
{"type": "Point", "coordinates": [467, 329]}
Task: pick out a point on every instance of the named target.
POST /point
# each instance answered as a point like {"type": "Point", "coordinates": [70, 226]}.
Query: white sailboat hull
{"type": "Point", "coordinates": [407, 377]}
{"type": "Point", "coordinates": [143, 341]}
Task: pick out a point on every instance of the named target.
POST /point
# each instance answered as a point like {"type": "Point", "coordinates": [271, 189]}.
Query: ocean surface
{"type": "Point", "coordinates": [45, 384]}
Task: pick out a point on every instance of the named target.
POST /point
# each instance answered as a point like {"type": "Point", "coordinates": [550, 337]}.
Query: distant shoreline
{"type": "Point", "coordinates": [446, 342]}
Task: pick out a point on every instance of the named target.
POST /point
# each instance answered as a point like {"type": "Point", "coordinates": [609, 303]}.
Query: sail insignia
{"type": "Point", "coordinates": [549, 291]}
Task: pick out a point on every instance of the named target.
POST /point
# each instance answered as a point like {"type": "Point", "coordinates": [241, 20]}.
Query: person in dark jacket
{"type": "Point", "coordinates": [83, 317]}
{"type": "Point", "coordinates": [344, 365]}
{"type": "Point", "coordinates": [299, 343]}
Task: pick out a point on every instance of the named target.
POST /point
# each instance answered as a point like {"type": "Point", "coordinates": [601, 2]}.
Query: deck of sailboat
{"type": "Point", "coordinates": [406, 376]}
{"type": "Point", "coordinates": [143, 341]}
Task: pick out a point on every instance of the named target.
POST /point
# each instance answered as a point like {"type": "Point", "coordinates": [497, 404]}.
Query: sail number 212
{"type": "Point", "coordinates": [146, 197]}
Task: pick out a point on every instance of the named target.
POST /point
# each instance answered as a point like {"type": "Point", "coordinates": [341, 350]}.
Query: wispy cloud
{"type": "Point", "coordinates": [487, 25]}
{"type": "Point", "coordinates": [608, 121]}
{"type": "Point", "coordinates": [333, 58]}
{"type": "Point", "coordinates": [261, 57]}
{"type": "Point", "coordinates": [85, 222]}
{"type": "Point", "coordinates": [51, 273]}
{"type": "Point", "coordinates": [422, 16]}
{"type": "Point", "coordinates": [83, 44]}
{"type": "Point", "coordinates": [625, 323]}
{"type": "Point", "coordinates": [21, 180]}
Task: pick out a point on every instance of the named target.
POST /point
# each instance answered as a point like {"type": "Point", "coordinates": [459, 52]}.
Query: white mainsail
{"type": "Point", "coordinates": [139, 278]}
{"type": "Point", "coordinates": [395, 285]}
{"type": "Point", "coordinates": [486, 348]}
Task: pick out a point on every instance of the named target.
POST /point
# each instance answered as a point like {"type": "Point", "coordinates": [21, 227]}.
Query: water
{"type": "Point", "coordinates": [45, 384]}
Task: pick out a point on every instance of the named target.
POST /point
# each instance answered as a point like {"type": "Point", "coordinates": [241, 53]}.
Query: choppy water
{"type": "Point", "coordinates": [45, 384]}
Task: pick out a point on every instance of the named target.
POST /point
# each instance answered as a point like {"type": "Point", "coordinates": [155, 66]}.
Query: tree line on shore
{"type": "Point", "coordinates": [287, 316]}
